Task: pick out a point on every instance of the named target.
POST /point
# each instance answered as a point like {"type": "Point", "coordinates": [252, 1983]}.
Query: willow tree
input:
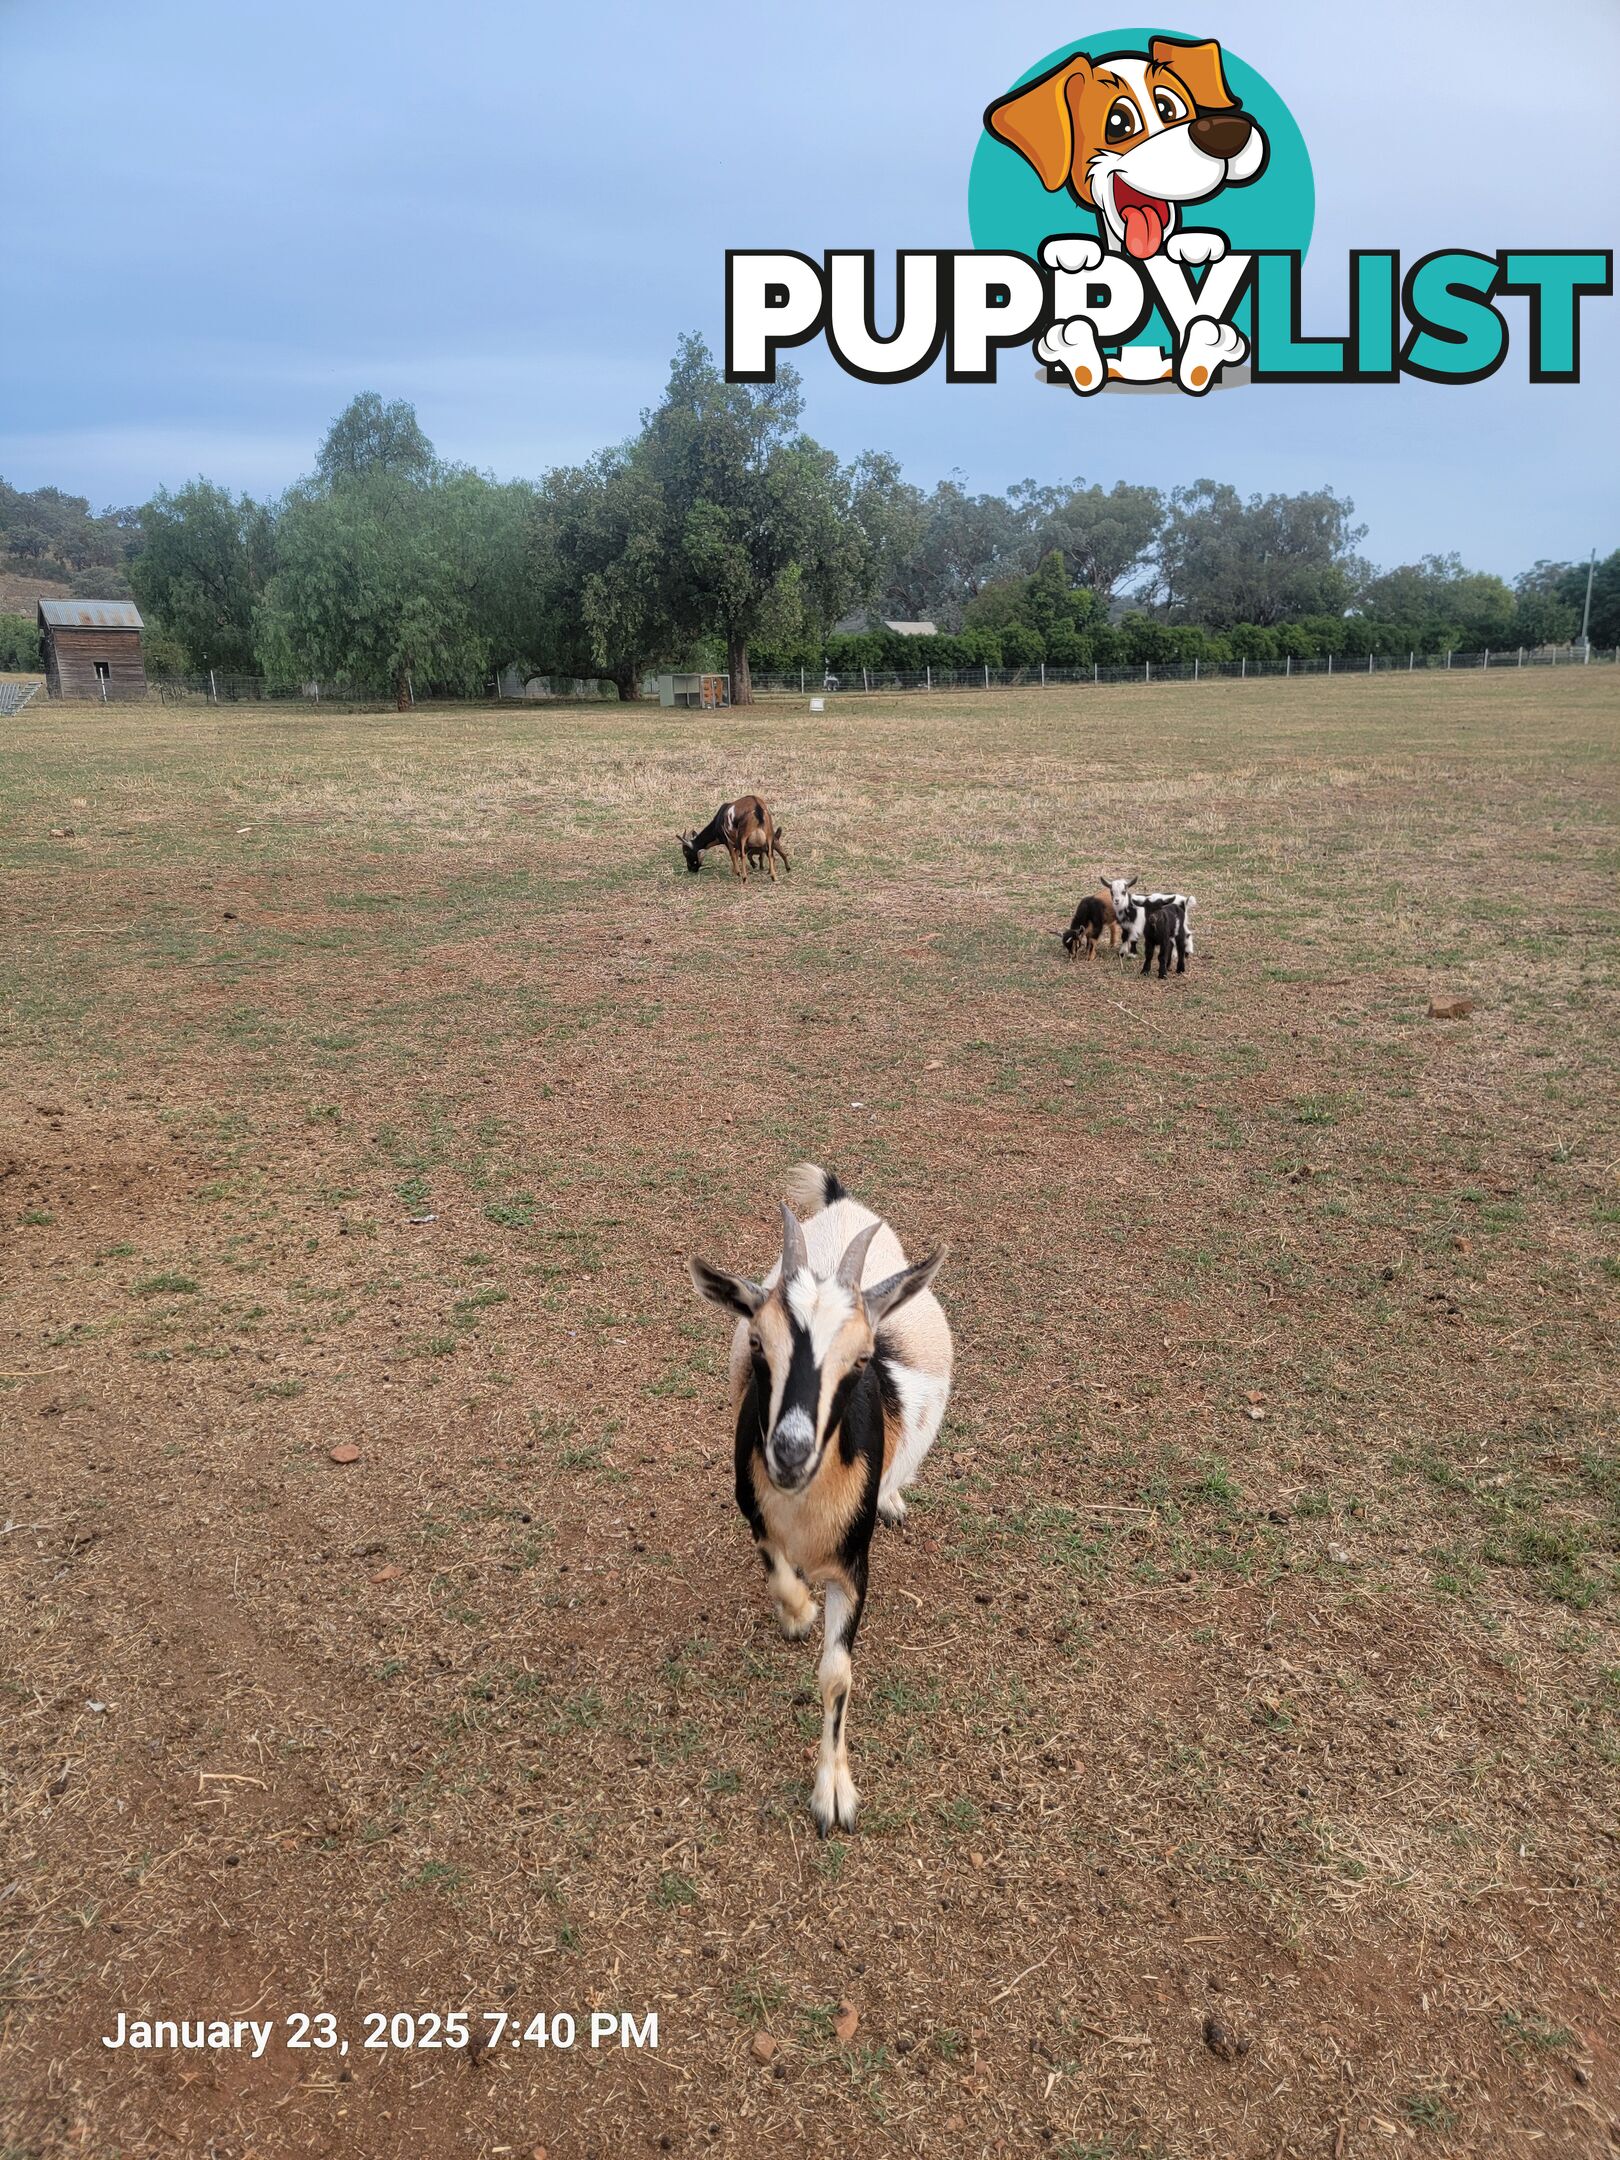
{"type": "Point", "coordinates": [384, 583]}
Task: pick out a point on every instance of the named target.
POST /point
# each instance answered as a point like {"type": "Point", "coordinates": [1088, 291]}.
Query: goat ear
{"type": "Point", "coordinates": [895, 1290]}
{"type": "Point", "coordinates": [794, 1254]}
{"type": "Point", "coordinates": [733, 1293]}
{"type": "Point", "coordinates": [853, 1258]}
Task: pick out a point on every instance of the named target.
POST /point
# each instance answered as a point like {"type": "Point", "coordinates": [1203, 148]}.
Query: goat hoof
{"type": "Point", "coordinates": [795, 1626]}
{"type": "Point", "coordinates": [893, 1512]}
{"type": "Point", "coordinates": [836, 1810]}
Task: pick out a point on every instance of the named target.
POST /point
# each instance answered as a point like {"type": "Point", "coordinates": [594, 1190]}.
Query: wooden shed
{"type": "Point", "coordinates": [92, 649]}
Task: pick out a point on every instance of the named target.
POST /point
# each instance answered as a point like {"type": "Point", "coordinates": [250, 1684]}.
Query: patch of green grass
{"type": "Point", "coordinates": [437, 1875]}
{"type": "Point", "coordinates": [167, 1284]}
{"type": "Point", "coordinates": [1427, 2111]}
{"type": "Point", "coordinates": [1533, 2032]}
{"type": "Point", "coordinates": [675, 1890]}
{"type": "Point", "coordinates": [516, 1213]}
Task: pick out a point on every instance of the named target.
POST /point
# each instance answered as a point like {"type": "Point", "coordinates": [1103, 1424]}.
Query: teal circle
{"type": "Point", "coordinates": [1008, 207]}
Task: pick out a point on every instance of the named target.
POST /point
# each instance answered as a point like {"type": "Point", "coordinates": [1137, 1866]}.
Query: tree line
{"type": "Point", "coordinates": [723, 534]}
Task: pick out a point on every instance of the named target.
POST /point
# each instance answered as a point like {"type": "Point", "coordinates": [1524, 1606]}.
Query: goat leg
{"type": "Point", "coordinates": [835, 1801]}
{"type": "Point", "coordinates": [795, 1608]}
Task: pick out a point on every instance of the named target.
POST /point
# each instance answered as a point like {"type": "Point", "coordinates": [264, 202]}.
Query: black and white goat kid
{"type": "Point", "coordinates": [1132, 909]}
{"type": "Point", "coordinates": [840, 1370]}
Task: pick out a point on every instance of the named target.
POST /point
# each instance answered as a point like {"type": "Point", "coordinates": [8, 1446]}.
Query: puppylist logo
{"type": "Point", "coordinates": [1140, 204]}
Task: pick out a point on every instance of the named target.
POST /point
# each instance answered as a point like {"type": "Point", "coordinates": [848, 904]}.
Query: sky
{"type": "Point", "coordinates": [223, 220]}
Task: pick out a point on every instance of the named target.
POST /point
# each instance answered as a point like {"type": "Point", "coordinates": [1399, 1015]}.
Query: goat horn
{"type": "Point", "coordinates": [794, 1255]}
{"type": "Point", "coordinates": [854, 1257]}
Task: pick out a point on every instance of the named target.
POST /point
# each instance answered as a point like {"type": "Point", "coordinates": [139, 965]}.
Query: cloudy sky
{"type": "Point", "coordinates": [223, 220]}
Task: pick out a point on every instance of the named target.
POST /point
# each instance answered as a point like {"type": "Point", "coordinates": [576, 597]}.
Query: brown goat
{"type": "Point", "coordinates": [757, 851]}
{"type": "Point", "coordinates": [742, 828]}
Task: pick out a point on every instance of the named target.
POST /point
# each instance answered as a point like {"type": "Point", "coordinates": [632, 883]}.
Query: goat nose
{"type": "Point", "coordinates": [792, 1441]}
{"type": "Point", "coordinates": [1221, 135]}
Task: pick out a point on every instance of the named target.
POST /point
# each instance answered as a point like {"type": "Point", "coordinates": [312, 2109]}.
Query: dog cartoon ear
{"type": "Point", "coordinates": [1199, 66]}
{"type": "Point", "coordinates": [1038, 122]}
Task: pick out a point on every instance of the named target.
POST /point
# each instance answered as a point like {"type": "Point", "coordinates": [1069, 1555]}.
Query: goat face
{"type": "Point", "coordinates": [811, 1337]}
{"type": "Point", "coordinates": [1119, 892]}
{"type": "Point", "coordinates": [693, 853]}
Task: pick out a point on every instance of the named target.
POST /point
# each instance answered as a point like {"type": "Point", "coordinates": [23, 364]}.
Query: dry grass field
{"type": "Point", "coordinates": [1238, 1715]}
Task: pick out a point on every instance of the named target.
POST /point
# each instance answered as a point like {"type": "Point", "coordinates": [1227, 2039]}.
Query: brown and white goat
{"type": "Point", "coordinates": [742, 828]}
{"type": "Point", "coordinates": [840, 1370]}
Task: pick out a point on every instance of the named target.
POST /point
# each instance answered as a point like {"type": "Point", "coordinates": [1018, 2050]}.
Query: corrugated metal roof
{"type": "Point", "coordinates": [90, 615]}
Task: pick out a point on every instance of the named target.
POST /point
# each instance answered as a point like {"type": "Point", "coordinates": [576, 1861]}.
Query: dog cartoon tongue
{"type": "Point", "coordinates": [1145, 219]}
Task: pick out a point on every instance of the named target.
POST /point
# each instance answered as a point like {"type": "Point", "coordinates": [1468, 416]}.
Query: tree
{"type": "Point", "coordinates": [371, 437]}
{"type": "Point", "coordinates": [597, 546]}
{"type": "Point", "coordinates": [760, 520]}
{"type": "Point", "coordinates": [962, 544]}
{"type": "Point", "coordinates": [1570, 588]}
{"type": "Point", "coordinates": [385, 583]}
{"type": "Point", "coordinates": [55, 534]}
{"type": "Point", "coordinates": [1103, 534]}
{"type": "Point", "coordinates": [1269, 559]}
{"type": "Point", "coordinates": [202, 568]}
{"type": "Point", "coordinates": [19, 645]}
{"type": "Point", "coordinates": [1439, 598]}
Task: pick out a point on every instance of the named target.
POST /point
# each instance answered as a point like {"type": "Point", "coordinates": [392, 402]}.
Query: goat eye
{"type": "Point", "coordinates": [756, 1345]}
{"type": "Point", "coordinates": [1123, 119]}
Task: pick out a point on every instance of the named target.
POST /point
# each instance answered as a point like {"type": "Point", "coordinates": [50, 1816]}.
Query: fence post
{"type": "Point", "coordinates": [1043, 674]}
{"type": "Point", "coordinates": [865, 682]}
{"type": "Point", "coordinates": [1411, 662]}
{"type": "Point", "coordinates": [1369, 663]}
{"type": "Point", "coordinates": [1096, 673]}
{"type": "Point", "coordinates": [1487, 660]}
{"type": "Point", "coordinates": [929, 672]}
{"type": "Point", "coordinates": [213, 694]}
{"type": "Point", "coordinates": [1147, 670]}
{"type": "Point", "coordinates": [1586, 655]}
{"type": "Point", "coordinates": [1330, 663]}
{"type": "Point", "coordinates": [801, 682]}
{"type": "Point", "coordinates": [1448, 659]}
{"type": "Point", "coordinates": [1243, 669]}
{"type": "Point", "coordinates": [1195, 667]}
{"type": "Point", "coordinates": [1288, 668]}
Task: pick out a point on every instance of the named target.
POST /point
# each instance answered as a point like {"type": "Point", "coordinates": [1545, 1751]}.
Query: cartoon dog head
{"type": "Point", "coordinates": [1133, 136]}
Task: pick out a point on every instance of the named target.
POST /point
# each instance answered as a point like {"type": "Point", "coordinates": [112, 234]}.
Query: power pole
{"type": "Point", "coordinates": [1586, 612]}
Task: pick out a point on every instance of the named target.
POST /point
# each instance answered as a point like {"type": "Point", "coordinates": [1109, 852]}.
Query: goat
{"type": "Point", "coordinates": [1092, 917]}
{"type": "Point", "coordinates": [733, 825]}
{"type": "Point", "coordinates": [1132, 911]}
{"type": "Point", "coordinates": [756, 850]}
{"type": "Point", "coordinates": [1165, 928]}
{"type": "Point", "coordinates": [840, 1371]}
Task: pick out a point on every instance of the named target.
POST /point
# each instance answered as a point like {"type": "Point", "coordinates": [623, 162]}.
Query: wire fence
{"type": "Point", "coordinates": [840, 682]}
{"type": "Point", "coordinates": [217, 689]}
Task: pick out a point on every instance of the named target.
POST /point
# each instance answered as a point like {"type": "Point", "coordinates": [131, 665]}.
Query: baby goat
{"type": "Point", "coordinates": [1164, 928]}
{"type": "Point", "coordinates": [1091, 918]}
{"type": "Point", "coordinates": [742, 828]}
{"type": "Point", "coordinates": [840, 1370]}
{"type": "Point", "coordinates": [1132, 911]}
{"type": "Point", "coordinates": [756, 850]}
